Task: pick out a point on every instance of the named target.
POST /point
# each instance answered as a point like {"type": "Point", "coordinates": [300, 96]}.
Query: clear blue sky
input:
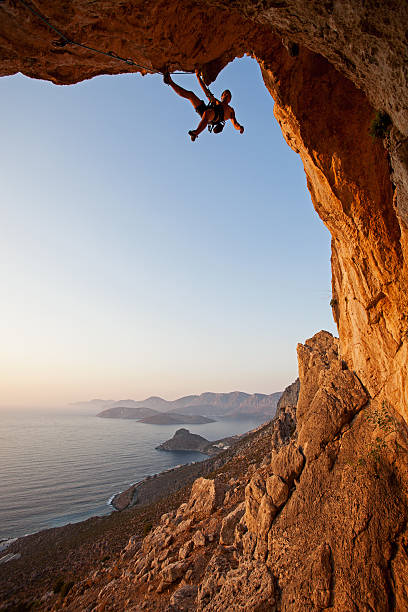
{"type": "Point", "coordinates": [134, 262]}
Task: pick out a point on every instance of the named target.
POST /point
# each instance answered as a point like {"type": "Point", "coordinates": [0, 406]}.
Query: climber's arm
{"type": "Point", "coordinates": [204, 87]}
{"type": "Point", "coordinates": [235, 123]}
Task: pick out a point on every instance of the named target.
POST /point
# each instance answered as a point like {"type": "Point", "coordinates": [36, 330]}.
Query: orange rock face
{"type": "Point", "coordinates": [327, 120]}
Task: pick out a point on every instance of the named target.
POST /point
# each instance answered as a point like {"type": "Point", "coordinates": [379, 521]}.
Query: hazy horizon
{"type": "Point", "coordinates": [136, 263]}
{"type": "Point", "coordinates": [79, 403]}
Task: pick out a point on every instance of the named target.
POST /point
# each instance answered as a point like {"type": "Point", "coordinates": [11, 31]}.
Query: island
{"type": "Point", "coordinates": [143, 414]}
{"type": "Point", "coordinates": [183, 440]}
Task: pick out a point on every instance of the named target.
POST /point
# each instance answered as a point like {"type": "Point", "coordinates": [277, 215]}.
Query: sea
{"type": "Point", "coordinates": [58, 468]}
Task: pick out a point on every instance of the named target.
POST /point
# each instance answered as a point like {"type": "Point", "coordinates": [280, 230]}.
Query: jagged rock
{"type": "Point", "coordinates": [198, 539]}
{"type": "Point", "coordinates": [206, 496]}
{"type": "Point", "coordinates": [254, 492]}
{"type": "Point", "coordinates": [323, 410]}
{"type": "Point", "coordinates": [339, 520]}
{"type": "Point", "coordinates": [285, 416]}
{"type": "Point", "coordinates": [183, 600]}
{"type": "Point", "coordinates": [229, 523]}
{"type": "Point", "coordinates": [277, 490]}
{"type": "Point", "coordinates": [288, 463]}
{"type": "Point", "coordinates": [184, 526]}
{"type": "Point", "coordinates": [248, 587]}
{"type": "Point", "coordinates": [186, 549]}
{"type": "Point", "coordinates": [174, 571]}
{"type": "Point", "coordinates": [266, 513]}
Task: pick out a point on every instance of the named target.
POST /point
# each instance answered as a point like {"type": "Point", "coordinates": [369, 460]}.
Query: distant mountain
{"type": "Point", "coordinates": [173, 418]}
{"type": "Point", "coordinates": [230, 405]}
{"type": "Point", "coordinates": [213, 405]}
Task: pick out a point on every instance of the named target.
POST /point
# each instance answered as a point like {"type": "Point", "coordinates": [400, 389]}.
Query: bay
{"type": "Point", "coordinates": [63, 468]}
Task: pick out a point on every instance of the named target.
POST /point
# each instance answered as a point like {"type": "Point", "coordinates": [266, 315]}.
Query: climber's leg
{"type": "Point", "coordinates": [184, 93]}
{"type": "Point", "coordinates": [206, 118]}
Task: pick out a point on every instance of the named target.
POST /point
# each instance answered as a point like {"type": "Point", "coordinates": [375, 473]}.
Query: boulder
{"type": "Point", "coordinates": [198, 539]}
{"type": "Point", "coordinates": [277, 490]}
{"type": "Point", "coordinates": [183, 600]}
{"type": "Point", "coordinates": [229, 523]}
{"type": "Point", "coordinates": [288, 463]}
{"type": "Point", "coordinates": [174, 571]}
{"type": "Point", "coordinates": [206, 496]}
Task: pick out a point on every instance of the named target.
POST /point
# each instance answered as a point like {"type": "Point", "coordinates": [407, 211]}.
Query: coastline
{"type": "Point", "coordinates": [69, 552]}
{"type": "Point", "coordinates": [152, 486]}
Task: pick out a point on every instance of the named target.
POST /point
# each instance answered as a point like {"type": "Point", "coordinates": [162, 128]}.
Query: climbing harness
{"type": "Point", "coordinates": [64, 40]}
{"type": "Point", "coordinates": [216, 128]}
{"type": "Point", "coordinates": [217, 124]}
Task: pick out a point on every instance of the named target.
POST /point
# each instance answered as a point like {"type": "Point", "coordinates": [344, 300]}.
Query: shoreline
{"type": "Point", "coordinates": [149, 489]}
{"type": "Point", "coordinates": [71, 551]}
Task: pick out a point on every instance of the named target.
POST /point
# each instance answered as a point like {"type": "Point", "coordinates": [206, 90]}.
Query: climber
{"type": "Point", "coordinates": [213, 114]}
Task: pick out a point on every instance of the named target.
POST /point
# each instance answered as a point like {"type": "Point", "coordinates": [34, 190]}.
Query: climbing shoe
{"type": "Point", "coordinates": [166, 78]}
{"type": "Point", "coordinates": [192, 135]}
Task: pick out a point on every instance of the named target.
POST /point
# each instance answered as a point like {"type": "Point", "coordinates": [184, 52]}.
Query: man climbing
{"type": "Point", "coordinates": [213, 114]}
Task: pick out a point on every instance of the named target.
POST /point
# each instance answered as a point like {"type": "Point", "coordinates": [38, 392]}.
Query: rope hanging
{"type": "Point", "coordinates": [67, 41]}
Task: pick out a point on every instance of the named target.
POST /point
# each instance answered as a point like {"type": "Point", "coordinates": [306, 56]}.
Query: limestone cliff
{"type": "Point", "coordinates": [320, 523]}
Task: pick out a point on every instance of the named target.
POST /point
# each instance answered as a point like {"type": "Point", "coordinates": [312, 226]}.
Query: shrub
{"type": "Point", "coordinates": [66, 587]}
{"type": "Point", "coordinates": [147, 527]}
{"type": "Point", "coordinates": [380, 125]}
{"type": "Point", "coordinates": [59, 583]}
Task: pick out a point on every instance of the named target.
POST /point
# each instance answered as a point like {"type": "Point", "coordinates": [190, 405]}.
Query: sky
{"type": "Point", "coordinates": [134, 262]}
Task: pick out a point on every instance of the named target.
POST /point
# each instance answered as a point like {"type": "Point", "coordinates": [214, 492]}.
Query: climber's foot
{"type": "Point", "coordinates": [167, 78]}
{"type": "Point", "coordinates": [193, 135]}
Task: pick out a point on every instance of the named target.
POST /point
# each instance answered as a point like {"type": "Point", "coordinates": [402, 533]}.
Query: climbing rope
{"type": "Point", "coordinates": [67, 41]}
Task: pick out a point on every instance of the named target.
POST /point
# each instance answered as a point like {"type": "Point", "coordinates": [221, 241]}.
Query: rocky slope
{"type": "Point", "coordinates": [320, 522]}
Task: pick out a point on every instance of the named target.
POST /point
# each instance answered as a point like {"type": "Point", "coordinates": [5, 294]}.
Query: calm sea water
{"type": "Point", "coordinates": [57, 469]}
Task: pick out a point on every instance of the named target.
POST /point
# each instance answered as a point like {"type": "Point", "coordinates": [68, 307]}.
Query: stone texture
{"type": "Point", "coordinates": [198, 539]}
{"type": "Point", "coordinates": [324, 408]}
{"type": "Point", "coordinates": [183, 599]}
{"type": "Point", "coordinates": [206, 496]}
{"type": "Point", "coordinates": [277, 490]}
{"type": "Point", "coordinates": [174, 571]}
{"type": "Point", "coordinates": [288, 463]}
{"type": "Point", "coordinates": [248, 587]}
{"type": "Point", "coordinates": [285, 416]}
{"type": "Point", "coordinates": [229, 523]}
